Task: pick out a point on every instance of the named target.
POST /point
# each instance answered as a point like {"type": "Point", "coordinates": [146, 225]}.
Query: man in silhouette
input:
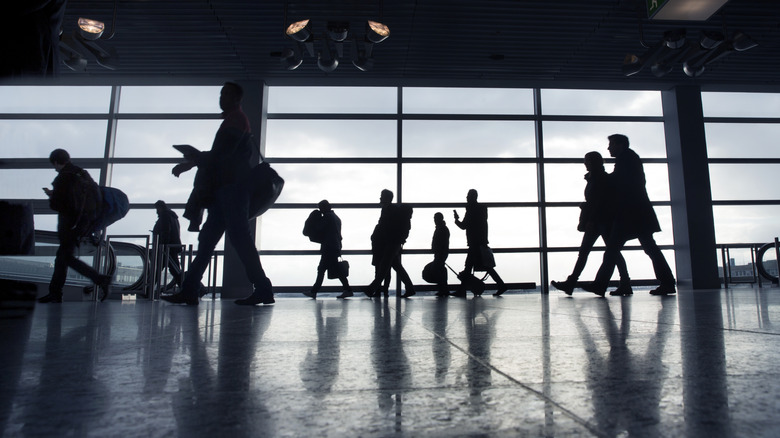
{"type": "Point", "coordinates": [596, 217]}
{"type": "Point", "coordinates": [168, 232]}
{"type": "Point", "coordinates": [388, 238]}
{"type": "Point", "coordinates": [76, 198]}
{"type": "Point", "coordinates": [634, 219]}
{"type": "Point", "coordinates": [329, 232]}
{"type": "Point", "coordinates": [475, 222]}
{"type": "Point", "coordinates": [440, 244]}
{"type": "Point", "coordinates": [226, 199]}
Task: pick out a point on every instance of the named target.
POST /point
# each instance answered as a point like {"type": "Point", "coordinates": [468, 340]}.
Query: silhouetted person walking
{"type": "Point", "coordinates": [226, 199]}
{"type": "Point", "coordinates": [440, 244]}
{"type": "Point", "coordinates": [168, 232]}
{"type": "Point", "coordinates": [634, 219]}
{"type": "Point", "coordinates": [388, 238]}
{"type": "Point", "coordinates": [475, 222]}
{"type": "Point", "coordinates": [329, 236]}
{"type": "Point", "coordinates": [77, 200]}
{"type": "Point", "coordinates": [596, 217]}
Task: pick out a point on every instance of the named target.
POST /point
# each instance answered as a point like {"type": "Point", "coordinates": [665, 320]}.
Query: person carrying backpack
{"type": "Point", "coordinates": [389, 235]}
{"type": "Point", "coordinates": [76, 198]}
{"type": "Point", "coordinates": [326, 230]}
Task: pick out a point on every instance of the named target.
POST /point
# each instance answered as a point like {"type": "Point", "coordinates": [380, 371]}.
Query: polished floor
{"type": "Point", "coordinates": [700, 364]}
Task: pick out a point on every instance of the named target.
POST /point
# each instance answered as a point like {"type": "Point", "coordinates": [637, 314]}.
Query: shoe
{"type": "Point", "coordinates": [181, 298]}
{"type": "Point", "coordinates": [623, 290]}
{"type": "Point", "coordinates": [385, 292]}
{"type": "Point", "coordinates": [311, 294]}
{"type": "Point", "coordinates": [565, 286]}
{"type": "Point", "coordinates": [203, 291]}
{"type": "Point", "coordinates": [591, 287]}
{"type": "Point", "coordinates": [346, 294]}
{"type": "Point", "coordinates": [263, 294]}
{"type": "Point", "coordinates": [442, 293]}
{"type": "Point", "coordinates": [500, 290]}
{"type": "Point", "coordinates": [408, 294]}
{"type": "Point", "coordinates": [664, 289]}
{"type": "Point", "coordinates": [103, 283]}
{"type": "Point", "coordinates": [51, 297]}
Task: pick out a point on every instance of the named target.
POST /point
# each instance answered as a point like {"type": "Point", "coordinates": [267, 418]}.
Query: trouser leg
{"type": "Point", "coordinates": [210, 233]}
{"type": "Point", "coordinates": [588, 239]}
{"type": "Point", "coordinates": [662, 270]}
{"type": "Point", "coordinates": [236, 207]}
{"type": "Point", "coordinates": [402, 274]}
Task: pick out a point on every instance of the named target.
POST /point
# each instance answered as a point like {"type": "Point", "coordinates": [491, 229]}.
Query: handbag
{"type": "Point", "coordinates": [486, 259]}
{"type": "Point", "coordinates": [265, 185]}
{"type": "Point", "coordinates": [434, 273]}
{"type": "Point", "coordinates": [339, 270]}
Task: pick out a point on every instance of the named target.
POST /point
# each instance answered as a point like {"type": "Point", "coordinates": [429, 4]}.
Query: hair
{"type": "Point", "coordinates": [594, 157]}
{"type": "Point", "coordinates": [324, 205]}
{"type": "Point", "coordinates": [388, 193]}
{"type": "Point", "coordinates": [438, 216]}
{"type": "Point", "coordinates": [238, 89]}
{"type": "Point", "coordinates": [620, 139]}
{"type": "Point", "coordinates": [474, 191]}
{"type": "Point", "coordinates": [59, 156]}
{"type": "Point", "coordinates": [160, 203]}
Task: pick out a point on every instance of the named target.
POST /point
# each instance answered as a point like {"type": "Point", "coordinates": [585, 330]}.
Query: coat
{"type": "Point", "coordinates": [634, 213]}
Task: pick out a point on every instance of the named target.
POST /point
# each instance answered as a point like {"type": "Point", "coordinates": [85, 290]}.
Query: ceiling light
{"type": "Point", "coordinates": [90, 29]}
{"type": "Point", "coordinates": [742, 42]}
{"type": "Point", "coordinates": [710, 39]}
{"type": "Point", "coordinates": [299, 31]}
{"type": "Point", "coordinates": [337, 31]}
{"type": "Point", "coordinates": [327, 63]}
{"type": "Point", "coordinates": [691, 10]}
{"type": "Point", "coordinates": [291, 59]}
{"type": "Point", "coordinates": [376, 32]}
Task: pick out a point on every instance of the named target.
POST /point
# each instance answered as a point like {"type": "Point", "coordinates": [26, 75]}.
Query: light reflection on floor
{"type": "Point", "coordinates": [703, 363]}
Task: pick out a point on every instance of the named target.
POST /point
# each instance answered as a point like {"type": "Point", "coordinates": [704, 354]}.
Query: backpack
{"type": "Point", "coordinates": [115, 207]}
{"type": "Point", "coordinates": [312, 228]}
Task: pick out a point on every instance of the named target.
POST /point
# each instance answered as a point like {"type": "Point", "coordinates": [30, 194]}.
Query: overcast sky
{"type": "Point", "coordinates": [361, 183]}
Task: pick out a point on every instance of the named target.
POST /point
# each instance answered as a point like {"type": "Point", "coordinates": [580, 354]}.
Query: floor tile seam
{"type": "Point", "coordinates": [581, 421]}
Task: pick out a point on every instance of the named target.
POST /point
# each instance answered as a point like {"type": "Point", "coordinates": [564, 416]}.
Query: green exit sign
{"type": "Point", "coordinates": [653, 6]}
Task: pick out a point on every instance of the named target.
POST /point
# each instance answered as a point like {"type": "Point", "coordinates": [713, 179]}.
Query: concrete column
{"type": "Point", "coordinates": [689, 182]}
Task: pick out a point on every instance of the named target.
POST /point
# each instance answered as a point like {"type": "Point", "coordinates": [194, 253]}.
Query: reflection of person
{"type": "Point", "coordinates": [440, 244]}
{"type": "Point", "coordinates": [634, 218]}
{"type": "Point", "coordinates": [76, 199]}
{"type": "Point", "coordinates": [475, 222]}
{"type": "Point", "coordinates": [227, 202]}
{"type": "Point", "coordinates": [626, 385]}
{"type": "Point", "coordinates": [595, 219]}
{"type": "Point", "coordinates": [389, 236]}
{"type": "Point", "coordinates": [167, 231]}
{"type": "Point", "coordinates": [330, 250]}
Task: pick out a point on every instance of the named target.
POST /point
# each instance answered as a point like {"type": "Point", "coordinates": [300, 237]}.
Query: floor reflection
{"type": "Point", "coordinates": [626, 380]}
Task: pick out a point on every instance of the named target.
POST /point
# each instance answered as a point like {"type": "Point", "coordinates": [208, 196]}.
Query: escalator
{"type": "Point", "coordinates": [128, 264]}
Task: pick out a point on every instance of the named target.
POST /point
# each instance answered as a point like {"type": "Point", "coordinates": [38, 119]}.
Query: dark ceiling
{"type": "Point", "coordinates": [456, 42]}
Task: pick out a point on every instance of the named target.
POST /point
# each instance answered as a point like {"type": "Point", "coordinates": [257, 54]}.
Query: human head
{"type": "Point", "coordinates": [438, 218]}
{"type": "Point", "coordinates": [160, 206]}
{"type": "Point", "coordinates": [324, 206]}
{"type": "Point", "coordinates": [230, 96]}
{"type": "Point", "coordinates": [617, 144]}
{"type": "Point", "coordinates": [594, 161]}
{"type": "Point", "coordinates": [471, 196]}
{"type": "Point", "coordinates": [59, 158]}
{"type": "Point", "coordinates": [386, 197]}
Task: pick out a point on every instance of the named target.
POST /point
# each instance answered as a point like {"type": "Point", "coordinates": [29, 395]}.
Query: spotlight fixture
{"type": "Point", "coordinates": [328, 62]}
{"type": "Point", "coordinates": [90, 29]}
{"type": "Point", "coordinates": [299, 31]}
{"type": "Point", "coordinates": [291, 59]}
{"type": "Point", "coordinates": [329, 44]}
{"type": "Point", "coordinates": [376, 32]}
{"type": "Point", "coordinates": [674, 48]}
{"type": "Point", "coordinates": [337, 31]}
